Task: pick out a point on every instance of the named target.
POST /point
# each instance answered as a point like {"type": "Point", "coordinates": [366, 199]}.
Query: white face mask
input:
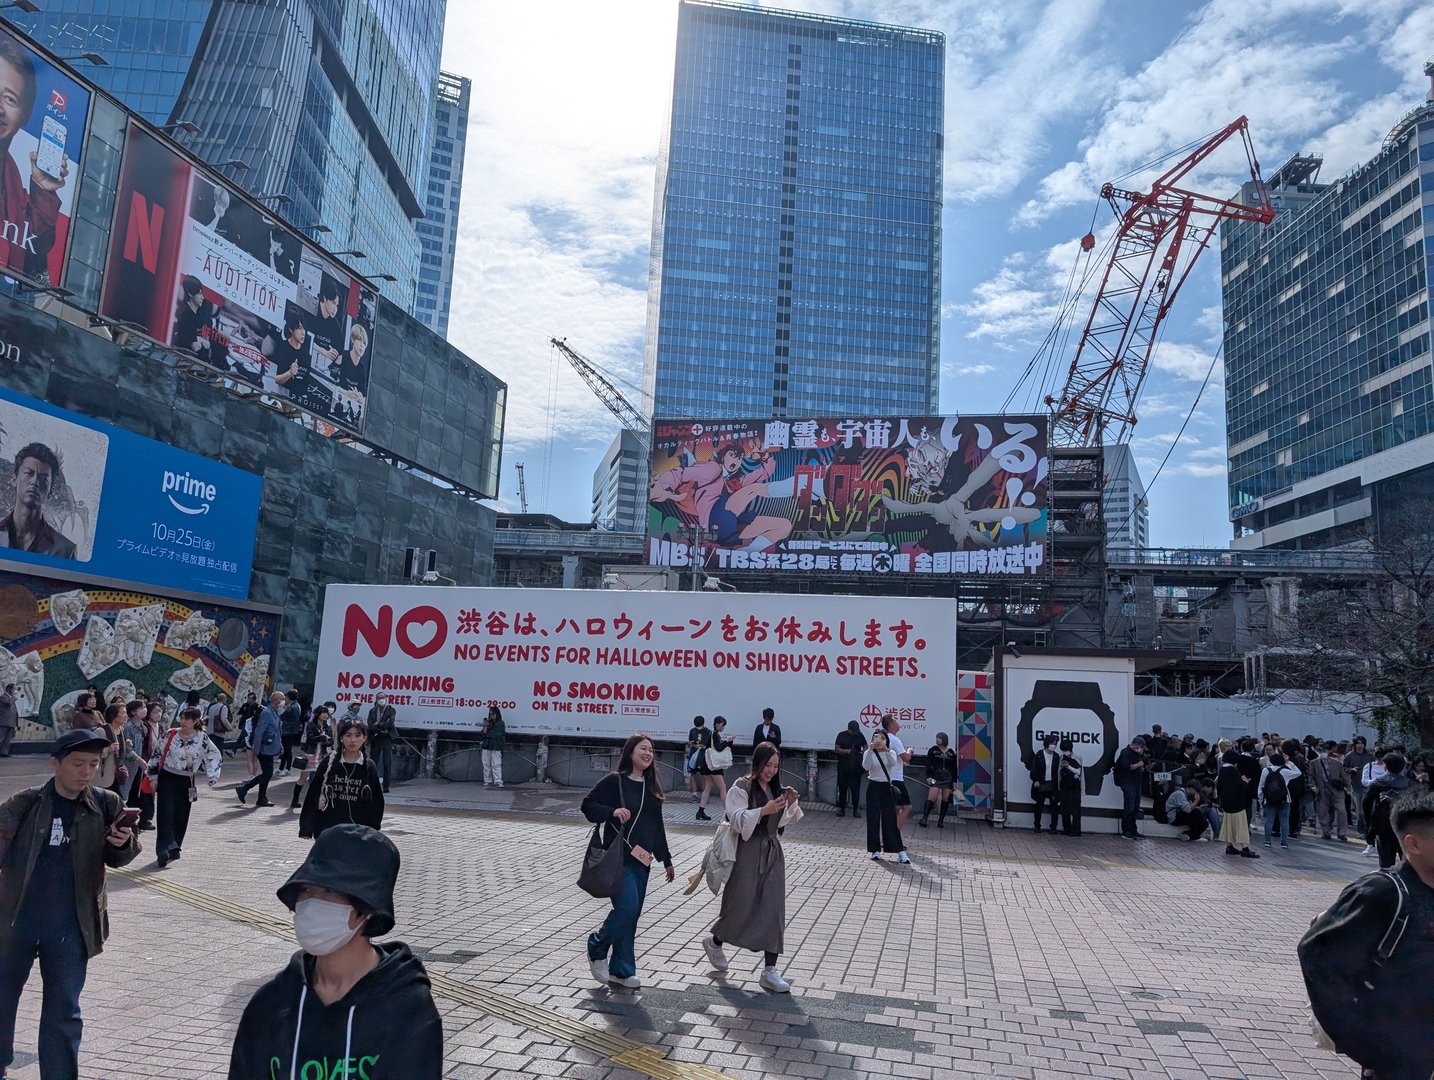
{"type": "Point", "coordinates": [322, 926]}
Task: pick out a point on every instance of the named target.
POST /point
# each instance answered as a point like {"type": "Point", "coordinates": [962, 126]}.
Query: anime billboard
{"type": "Point", "coordinates": [869, 495]}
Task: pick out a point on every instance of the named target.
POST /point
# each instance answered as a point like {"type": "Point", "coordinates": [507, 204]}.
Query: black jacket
{"type": "Point", "coordinates": [941, 764]}
{"type": "Point", "coordinates": [1230, 788]}
{"type": "Point", "coordinates": [775, 738]}
{"type": "Point", "coordinates": [387, 1026]}
{"type": "Point", "coordinates": [1037, 767]}
{"type": "Point", "coordinates": [643, 829]}
{"type": "Point", "coordinates": [1124, 773]}
{"type": "Point", "coordinates": [1380, 1018]}
{"type": "Point", "coordinates": [1396, 782]}
{"type": "Point", "coordinates": [340, 793]}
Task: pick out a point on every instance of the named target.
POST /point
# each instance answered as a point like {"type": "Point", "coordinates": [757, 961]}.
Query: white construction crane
{"type": "Point", "coordinates": [615, 400]}
{"type": "Point", "coordinates": [522, 490]}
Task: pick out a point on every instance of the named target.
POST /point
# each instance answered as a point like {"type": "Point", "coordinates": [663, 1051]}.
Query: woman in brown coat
{"type": "Point", "coordinates": [754, 900]}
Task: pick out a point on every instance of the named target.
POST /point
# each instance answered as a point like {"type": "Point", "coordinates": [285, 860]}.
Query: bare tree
{"type": "Point", "coordinates": [1376, 636]}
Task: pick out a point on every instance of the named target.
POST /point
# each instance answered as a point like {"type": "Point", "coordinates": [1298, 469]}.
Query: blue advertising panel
{"type": "Point", "coordinates": [86, 496]}
{"type": "Point", "coordinates": [42, 131]}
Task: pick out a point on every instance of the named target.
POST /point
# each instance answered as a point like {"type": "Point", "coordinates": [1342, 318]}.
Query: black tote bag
{"type": "Point", "coordinates": [601, 875]}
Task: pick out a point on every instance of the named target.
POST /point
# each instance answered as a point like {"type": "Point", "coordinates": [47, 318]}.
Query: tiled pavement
{"type": "Point", "coordinates": [996, 954]}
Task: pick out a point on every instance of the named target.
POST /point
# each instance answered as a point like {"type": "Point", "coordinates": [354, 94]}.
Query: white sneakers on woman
{"type": "Point", "coordinates": [715, 956]}
{"type": "Point", "coordinates": [632, 982]}
{"type": "Point", "coordinates": [772, 981]}
{"type": "Point", "coordinates": [599, 969]}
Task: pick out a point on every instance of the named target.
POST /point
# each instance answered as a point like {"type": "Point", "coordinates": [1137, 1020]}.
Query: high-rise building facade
{"type": "Point", "coordinates": [619, 503]}
{"type": "Point", "coordinates": [1126, 512]}
{"type": "Point", "coordinates": [1329, 400]}
{"type": "Point", "coordinates": [438, 231]}
{"type": "Point", "coordinates": [324, 106]}
{"type": "Point", "coordinates": [796, 245]}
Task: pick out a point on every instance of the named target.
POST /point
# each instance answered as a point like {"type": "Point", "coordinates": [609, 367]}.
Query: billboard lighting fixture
{"type": "Point", "coordinates": [187, 126]}
{"type": "Point", "coordinates": [273, 196]}
{"type": "Point", "coordinates": [354, 254]}
{"type": "Point", "coordinates": [316, 227]}
{"type": "Point", "coordinates": [383, 277]}
{"type": "Point", "coordinates": [92, 57]}
{"type": "Point", "coordinates": [236, 164]}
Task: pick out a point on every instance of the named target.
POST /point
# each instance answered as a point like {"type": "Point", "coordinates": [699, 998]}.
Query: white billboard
{"type": "Point", "coordinates": [1087, 699]}
{"type": "Point", "coordinates": [606, 664]}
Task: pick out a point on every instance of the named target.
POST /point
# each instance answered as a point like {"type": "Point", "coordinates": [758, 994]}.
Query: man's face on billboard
{"type": "Point", "coordinates": [12, 100]}
{"type": "Point", "coordinates": [297, 337]}
{"type": "Point", "coordinates": [328, 305]}
{"type": "Point", "coordinates": [33, 480]}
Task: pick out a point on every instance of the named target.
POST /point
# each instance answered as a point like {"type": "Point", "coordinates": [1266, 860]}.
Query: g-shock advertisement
{"type": "Point", "coordinates": [1089, 700]}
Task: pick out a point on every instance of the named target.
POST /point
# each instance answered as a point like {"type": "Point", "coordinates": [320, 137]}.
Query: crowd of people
{"type": "Point", "coordinates": [132, 766]}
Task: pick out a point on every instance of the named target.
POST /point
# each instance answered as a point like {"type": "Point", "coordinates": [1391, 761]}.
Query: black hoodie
{"type": "Point", "coordinates": [386, 1027]}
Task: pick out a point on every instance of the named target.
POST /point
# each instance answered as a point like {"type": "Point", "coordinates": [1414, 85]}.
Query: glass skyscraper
{"type": "Point", "coordinates": [326, 103]}
{"type": "Point", "coordinates": [1327, 346]}
{"type": "Point", "coordinates": [796, 247]}
{"type": "Point", "coordinates": [438, 231]}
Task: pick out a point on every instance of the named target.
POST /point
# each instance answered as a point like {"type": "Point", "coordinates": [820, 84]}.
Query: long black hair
{"type": "Point", "coordinates": [649, 776]}
{"type": "Point", "coordinates": [764, 752]}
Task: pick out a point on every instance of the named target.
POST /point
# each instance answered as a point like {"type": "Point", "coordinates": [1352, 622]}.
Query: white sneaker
{"type": "Point", "coordinates": [902, 857]}
{"type": "Point", "coordinates": [632, 982]}
{"type": "Point", "coordinates": [715, 956]}
{"type": "Point", "coordinates": [1203, 840]}
{"type": "Point", "coordinates": [876, 856]}
{"type": "Point", "coordinates": [1368, 850]}
{"type": "Point", "coordinates": [770, 980]}
{"type": "Point", "coordinates": [599, 969]}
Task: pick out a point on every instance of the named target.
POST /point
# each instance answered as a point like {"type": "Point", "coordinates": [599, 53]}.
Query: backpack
{"type": "Point", "coordinates": [1341, 1023]}
{"type": "Point", "coordinates": [1383, 808]}
{"type": "Point", "coordinates": [1277, 792]}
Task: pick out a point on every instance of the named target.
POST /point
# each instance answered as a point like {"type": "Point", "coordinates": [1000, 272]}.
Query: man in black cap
{"type": "Point", "coordinates": [343, 997]}
{"type": "Point", "coordinates": [55, 842]}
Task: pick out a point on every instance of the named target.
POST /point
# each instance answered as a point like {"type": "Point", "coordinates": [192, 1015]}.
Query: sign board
{"type": "Point", "coordinates": [43, 113]}
{"type": "Point", "coordinates": [606, 664]}
{"type": "Point", "coordinates": [198, 267]}
{"type": "Point", "coordinates": [85, 496]}
{"type": "Point", "coordinates": [1087, 699]}
{"type": "Point", "coordinates": [943, 495]}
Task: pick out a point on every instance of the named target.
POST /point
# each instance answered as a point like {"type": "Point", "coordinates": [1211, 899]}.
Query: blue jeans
{"type": "Point", "coordinates": [1277, 816]}
{"type": "Point", "coordinates": [1130, 806]}
{"type": "Point", "coordinates": [618, 933]}
{"type": "Point", "coordinates": [63, 963]}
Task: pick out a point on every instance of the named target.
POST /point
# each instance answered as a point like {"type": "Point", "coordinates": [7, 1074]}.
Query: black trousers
{"type": "Point", "coordinates": [1047, 800]}
{"type": "Point", "coordinates": [1194, 822]}
{"type": "Point", "coordinates": [171, 812]}
{"type": "Point", "coordinates": [849, 782]}
{"type": "Point", "coordinates": [286, 758]}
{"type": "Point", "coordinates": [1070, 811]}
{"type": "Point", "coordinates": [266, 773]}
{"type": "Point", "coordinates": [381, 752]}
{"type": "Point", "coordinates": [882, 833]}
{"type": "Point", "coordinates": [1130, 807]}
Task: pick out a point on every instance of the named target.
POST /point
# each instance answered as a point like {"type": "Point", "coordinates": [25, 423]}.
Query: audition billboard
{"type": "Point", "coordinates": [84, 496]}
{"type": "Point", "coordinates": [608, 663]}
{"type": "Point", "coordinates": [199, 268]}
{"type": "Point", "coordinates": [944, 495]}
{"type": "Point", "coordinates": [43, 113]}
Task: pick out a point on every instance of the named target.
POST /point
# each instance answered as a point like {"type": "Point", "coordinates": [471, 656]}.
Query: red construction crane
{"type": "Point", "coordinates": [1161, 234]}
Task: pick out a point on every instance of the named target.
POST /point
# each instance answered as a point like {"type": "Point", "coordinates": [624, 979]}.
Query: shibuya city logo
{"type": "Point", "coordinates": [188, 488]}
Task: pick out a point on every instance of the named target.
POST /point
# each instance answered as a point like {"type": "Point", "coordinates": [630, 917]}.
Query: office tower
{"type": "Point", "coordinates": [1127, 515]}
{"type": "Point", "coordinates": [324, 108]}
{"type": "Point", "coordinates": [796, 244]}
{"type": "Point", "coordinates": [1327, 350]}
{"type": "Point", "coordinates": [619, 501]}
{"type": "Point", "coordinates": [438, 231]}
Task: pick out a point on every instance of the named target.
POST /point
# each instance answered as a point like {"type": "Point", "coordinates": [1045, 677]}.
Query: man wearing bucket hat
{"type": "Point", "coordinates": [55, 842]}
{"type": "Point", "coordinates": [345, 1005]}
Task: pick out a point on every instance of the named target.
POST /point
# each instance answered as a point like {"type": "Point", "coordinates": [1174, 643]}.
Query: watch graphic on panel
{"type": "Point", "coordinates": [1060, 694]}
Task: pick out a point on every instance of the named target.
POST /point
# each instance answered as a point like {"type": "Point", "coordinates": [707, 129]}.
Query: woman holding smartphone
{"type": "Point", "coordinates": [882, 831]}
{"type": "Point", "coordinates": [754, 900]}
{"type": "Point", "coordinates": [629, 803]}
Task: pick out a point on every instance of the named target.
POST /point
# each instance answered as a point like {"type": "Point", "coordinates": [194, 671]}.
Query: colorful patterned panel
{"type": "Point", "coordinates": [974, 759]}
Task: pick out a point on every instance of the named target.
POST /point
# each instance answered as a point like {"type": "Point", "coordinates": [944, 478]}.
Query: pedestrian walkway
{"type": "Point", "coordinates": [996, 953]}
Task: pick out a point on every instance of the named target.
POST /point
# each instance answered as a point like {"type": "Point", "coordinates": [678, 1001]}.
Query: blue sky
{"type": "Point", "coordinates": [1044, 103]}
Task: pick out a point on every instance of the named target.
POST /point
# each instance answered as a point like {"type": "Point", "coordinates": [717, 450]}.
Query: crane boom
{"type": "Point", "coordinates": [600, 385]}
{"type": "Point", "coordinates": [522, 490]}
{"type": "Point", "coordinates": [1161, 234]}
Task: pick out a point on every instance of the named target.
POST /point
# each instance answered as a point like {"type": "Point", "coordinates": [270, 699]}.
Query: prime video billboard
{"type": "Point", "coordinates": [80, 495]}
{"type": "Point", "coordinates": [866, 495]}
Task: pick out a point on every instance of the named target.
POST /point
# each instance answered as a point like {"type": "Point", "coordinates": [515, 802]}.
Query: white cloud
{"type": "Point", "coordinates": [975, 369]}
{"type": "Point", "coordinates": [1184, 361]}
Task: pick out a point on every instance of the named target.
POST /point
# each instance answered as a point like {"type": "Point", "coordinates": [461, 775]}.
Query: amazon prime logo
{"type": "Point", "coordinates": [187, 488]}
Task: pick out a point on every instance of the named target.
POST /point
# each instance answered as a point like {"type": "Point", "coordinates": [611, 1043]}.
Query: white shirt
{"type": "Point", "coordinates": [898, 774]}
{"type": "Point", "coordinates": [1372, 772]}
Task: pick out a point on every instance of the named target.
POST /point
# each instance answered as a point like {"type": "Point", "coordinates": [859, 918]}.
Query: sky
{"type": "Point", "coordinates": [1045, 102]}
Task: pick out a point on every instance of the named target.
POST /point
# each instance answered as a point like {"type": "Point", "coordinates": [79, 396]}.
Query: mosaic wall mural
{"type": "Point", "coordinates": [58, 638]}
{"type": "Point", "coordinates": [975, 713]}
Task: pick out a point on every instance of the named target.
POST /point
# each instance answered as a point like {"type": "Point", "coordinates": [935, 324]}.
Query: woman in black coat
{"type": "Point", "coordinates": [1234, 797]}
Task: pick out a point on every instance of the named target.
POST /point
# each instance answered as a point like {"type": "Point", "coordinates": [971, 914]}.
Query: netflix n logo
{"type": "Point", "coordinates": [142, 234]}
